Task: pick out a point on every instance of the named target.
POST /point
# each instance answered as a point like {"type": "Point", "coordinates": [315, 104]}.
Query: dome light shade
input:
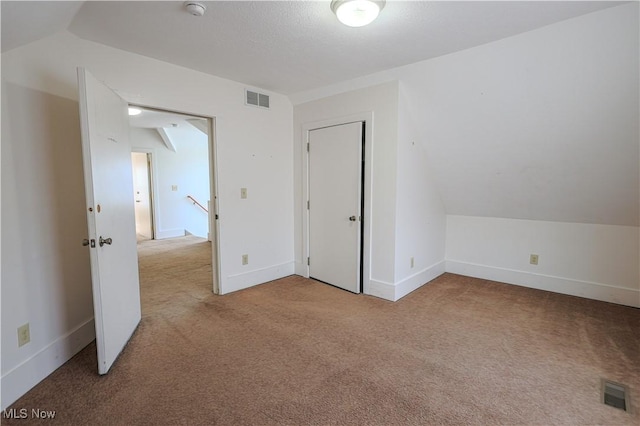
{"type": "Point", "coordinates": [356, 13]}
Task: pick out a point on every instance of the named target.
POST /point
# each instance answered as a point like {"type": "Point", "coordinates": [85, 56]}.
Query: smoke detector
{"type": "Point", "coordinates": [195, 8]}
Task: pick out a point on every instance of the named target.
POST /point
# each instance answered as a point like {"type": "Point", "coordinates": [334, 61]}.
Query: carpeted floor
{"type": "Point", "coordinates": [294, 352]}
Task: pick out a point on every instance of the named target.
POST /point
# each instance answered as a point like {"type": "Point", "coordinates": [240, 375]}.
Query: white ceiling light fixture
{"type": "Point", "coordinates": [357, 13]}
{"type": "Point", "coordinates": [134, 111]}
{"type": "Point", "coordinates": [195, 8]}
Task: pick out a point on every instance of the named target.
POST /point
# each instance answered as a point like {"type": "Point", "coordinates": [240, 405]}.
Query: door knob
{"type": "Point", "coordinates": [86, 242]}
{"type": "Point", "coordinates": [352, 218]}
{"type": "Point", "coordinates": [104, 241]}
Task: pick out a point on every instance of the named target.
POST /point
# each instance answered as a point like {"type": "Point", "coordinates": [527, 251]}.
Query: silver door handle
{"type": "Point", "coordinates": [103, 241]}
{"type": "Point", "coordinates": [352, 218]}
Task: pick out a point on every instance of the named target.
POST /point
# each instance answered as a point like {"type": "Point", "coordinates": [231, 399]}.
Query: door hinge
{"type": "Point", "coordinates": [307, 146]}
{"type": "Point", "coordinates": [217, 217]}
{"type": "Point", "coordinates": [308, 261]}
{"type": "Point", "coordinates": [308, 205]}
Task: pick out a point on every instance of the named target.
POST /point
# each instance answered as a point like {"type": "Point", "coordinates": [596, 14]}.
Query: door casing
{"type": "Point", "coordinates": [214, 223]}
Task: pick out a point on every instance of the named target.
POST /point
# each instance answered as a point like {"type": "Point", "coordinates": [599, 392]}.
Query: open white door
{"type": "Point", "coordinates": [110, 215]}
{"type": "Point", "coordinates": [335, 205]}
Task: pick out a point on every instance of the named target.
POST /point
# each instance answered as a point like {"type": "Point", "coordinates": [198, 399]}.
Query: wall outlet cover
{"type": "Point", "coordinates": [24, 335]}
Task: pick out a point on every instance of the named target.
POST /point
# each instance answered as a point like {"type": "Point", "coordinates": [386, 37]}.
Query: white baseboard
{"type": "Point", "coordinates": [19, 380]}
{"type": "Point", "coordinates": [170, 233]}
{"type": "Point", "coordinates": [381, 289]}
{"type": "Point", "coordinates": [418, 279]}
{"type": "Point", "coordinates": [397, 291]}
{"type": "Point", "coordinates": [589, 290]}
{"type": "Point", "coordinates": [256, 276]}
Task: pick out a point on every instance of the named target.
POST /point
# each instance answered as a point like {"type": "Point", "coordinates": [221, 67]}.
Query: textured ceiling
{"type": "Point", "coordinates": [25, 22]}
{"type": "Point", "coordinates": [285, 46]}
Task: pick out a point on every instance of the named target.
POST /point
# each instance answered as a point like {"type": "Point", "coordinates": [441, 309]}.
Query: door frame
{"type": "Point", "coordinates": [152, 185]}
{"type": "Point", "coordinates": [214, 223]}
{"type": "Point", "coordinates": [367, 217]}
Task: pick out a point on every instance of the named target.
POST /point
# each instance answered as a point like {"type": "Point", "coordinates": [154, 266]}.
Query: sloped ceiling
{"type": "Point", "coordinates": [285, 46]}
{"type": "Point", "coordinates": [562, 149]}
{"type": "Point", "coordinates": [540, 126]}
{"type": "Point", "coordinates": [25, 22]}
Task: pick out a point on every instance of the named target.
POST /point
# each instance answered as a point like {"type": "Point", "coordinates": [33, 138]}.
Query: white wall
{"type": "Point", "coordinates": [46, 279]}
{"type": "Point", "coordinates": [541, 126]}
{"type": "Point", "coordinates": [45, 274]}
{"type": "Point", "coordinates": [420, 214]}
{"type": "Point", "coordinates": [407, 217]}
{"type": "Point", "coordinates": [383, 102]}
{"type": "Point", "coordinates": [595, 261]}
{"type": "Point", "coordinates": [188, 169]}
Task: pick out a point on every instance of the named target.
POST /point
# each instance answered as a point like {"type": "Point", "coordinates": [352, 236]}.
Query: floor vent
{"type": "Point", "coordinates": [615, 394]}
{"type": "Point", "coordinates": [256, 99]}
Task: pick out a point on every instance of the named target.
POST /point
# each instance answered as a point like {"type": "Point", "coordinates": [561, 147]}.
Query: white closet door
{"type": "Point", "coordinates": [335, 204]}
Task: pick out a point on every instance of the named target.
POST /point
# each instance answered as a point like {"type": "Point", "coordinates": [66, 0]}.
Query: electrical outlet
{"type": "Point", "coordinates": [245, 259]}
{"type": "Point", "coordinates": [24, 336]}
{"type": "Point", "coordinates": [243, 193]}
{"type": "Point", "coordinates": [412, 261]}
{"type": "Point", "coordinates": [533, 259]}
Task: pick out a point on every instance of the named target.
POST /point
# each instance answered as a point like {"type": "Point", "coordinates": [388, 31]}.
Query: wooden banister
{"type": "Point", "coordinates": [197, 203]}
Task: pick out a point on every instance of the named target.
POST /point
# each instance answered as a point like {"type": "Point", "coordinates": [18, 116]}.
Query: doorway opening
{"type": "Point", "coordinates": [173, 160]}
{"type": "Point", "coordinates": [143, 194]}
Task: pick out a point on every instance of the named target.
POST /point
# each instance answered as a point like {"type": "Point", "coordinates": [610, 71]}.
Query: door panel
{"type": "Point", "coordinates": [335, 185]}
{"type": "Point", "coordinates": [110, 214]}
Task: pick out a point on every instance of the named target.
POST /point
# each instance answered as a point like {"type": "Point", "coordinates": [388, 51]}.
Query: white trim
{"type": "Point", "coordinates": [257, 276]}
{"type": "Point", "coordinates": [589, 290]}
{"type": "Point", "coordinates": [418, 279]}
{"type": "Point", "coordinates": [170, 233]}
{"type": "Point", "coordinates": [367, 192]}
{"type": "Point", "coordinates": [382, 289]}
{"type": "Point", "coordinates": [19, 380]}
{"type": "Point", "coordinates": [395, 292]}
{"type": "Point", "coordinates": [214, 204]}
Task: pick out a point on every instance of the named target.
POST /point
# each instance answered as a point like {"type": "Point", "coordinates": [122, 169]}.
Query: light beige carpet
{"type": "Point", "coordinates": [456, 351]}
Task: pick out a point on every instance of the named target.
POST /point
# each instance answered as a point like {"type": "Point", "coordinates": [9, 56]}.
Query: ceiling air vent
{"type": "Point", "coordinates": [256, 99]}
